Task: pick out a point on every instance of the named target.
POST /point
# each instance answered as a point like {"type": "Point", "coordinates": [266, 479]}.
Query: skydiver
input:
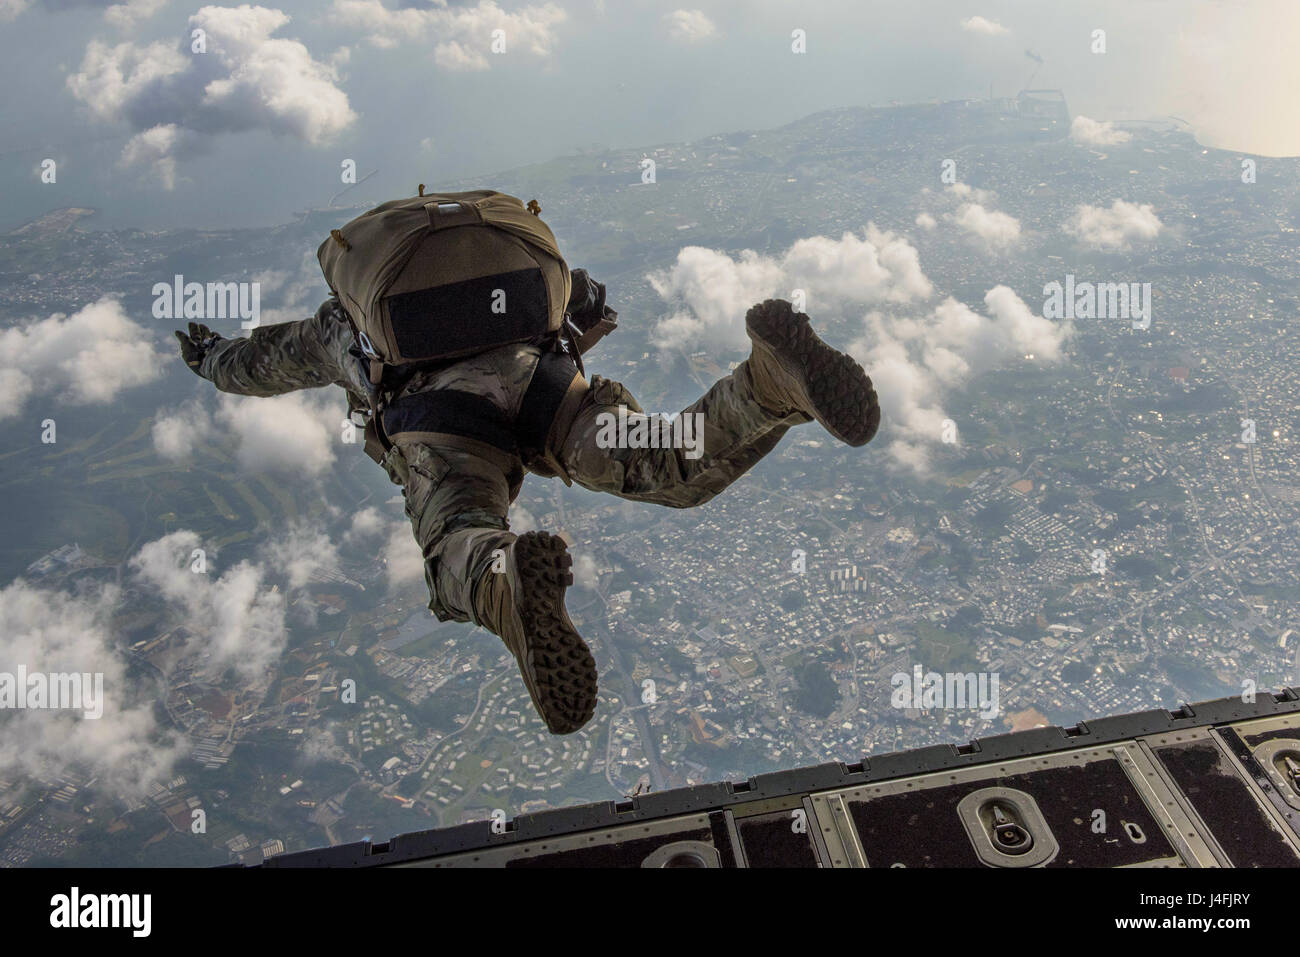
{"type": "Point", "coordinates": [463, 462]}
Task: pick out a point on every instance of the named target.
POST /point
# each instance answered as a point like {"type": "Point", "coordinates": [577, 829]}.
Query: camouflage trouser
{"type": "Point", "coordinates": [457, 501]}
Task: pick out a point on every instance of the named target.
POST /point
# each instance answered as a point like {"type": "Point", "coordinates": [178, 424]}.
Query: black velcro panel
{"type": "Point", "coordinates": [458, 317]}
{"type": "Point", "coordinates": [551, 378]}
{"type": "Point", "coordinates": [457, 413]}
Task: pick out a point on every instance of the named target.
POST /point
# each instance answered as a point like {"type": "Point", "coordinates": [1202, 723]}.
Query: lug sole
{"type": "Point", "coordinates": [839, 393]}
{"type": "Point", "coordinates": [560, 668]}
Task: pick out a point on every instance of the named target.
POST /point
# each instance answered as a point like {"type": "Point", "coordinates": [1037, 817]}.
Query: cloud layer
{"type": "Point", "coordinates": [89, 357]}
{"type": "Point", "coordinates": [1091, 132]}
{"type": "Point", "coordinates": [124, 14]}
{"type": "Point", "coordinates": [47, 631]}
{"type": "Point", "coordinates": [984, 27]}
{"type": "Point", "coordinates": [295, 434]}
{"type": "Point", "coordinates": [917, 362]}
{"type": "Point", "coordinates": [393, 544]}
{"type": "Point", "coordinates": [246, 79]}
{"type": "Point", "coordinates": [462, 36]}
{"type": "Point", "coordinates": [1118, 227]}
{"type": "Point", "coordinates": [689, 26]}
{"type": "Point", "coordinates": [995, 230]}
{"type": "Point", "coordinates": [711, 291]}
{"type": "Point", "coordinates": [233, 618]}
{"type": "Point", "coordinates": [917, 355]}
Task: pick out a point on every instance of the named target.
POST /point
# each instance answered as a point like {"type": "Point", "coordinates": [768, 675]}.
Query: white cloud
{"type": "Point", "coordinates": [1115, 228]}
{"type": "Point", "coordinates": [366, 525]}
{"type": "Point", "coordinates": [242, 624]}
{"type": "Point", "coordinates": [302, 553]}
{"type": "Point", "coordinates": [231, 618]}
{"type": "Point", "coordinates": [247, 79]}
{"type": "Point", "coordinates": [971, 211]}
{"type": "Point", "coordinates": [131, 12]}
{"type": "Point", "coordinates": [463, 35]}
{"type": "Point", "coordinates": [87, 358]}
{"type": "Point", "coordinates": [521, 520]}
{"type": "Point", "coordinates": [123, 15]}
{"type": "Point", "coordinates": [877, 266]}
{"type": "Point", "coordinates": [984, 26]}
{"type": "Point", "coordinates": [394, 545]}
{"type": "Point", "coordinates": [294, 434]}
{"type": "Point", "coordinates": [689, 26]}
{"type": "Point", "coordinates": [585, 572]}
{"type": "Point", "coordinates": [113, 79]}
{"type": "Point", "coordinates": [915, 356]}
{"type": "Point", "coordinates": [1097, 133]}
{"type": "Point", "coordinates": [403, 561]}
{"type": "Point", "coordinates": [974, 215]}
{"type": "Point", "coordinates": [996, 230]}
{"type": "Point", "coordinates": [1233, 74]}
{"type": "Point", "coordinates": [916, 362]}
{"type": "Point", "coordinates": [176, 433]}
{"type": "Point", "coordinates": [711, 291]}
{"type": "Point", "coordinates": [717, 290]}
{"type": "Point", "coordinates": [236, 617]}
{"type": "Point", "coordinates": [298, 292]}
{"type": "Point", "coordinates": [49, 631]}
{"type": "Point", "coordinates": [965, 191]}
{"type": "Point", "coordinates": [158, 148]}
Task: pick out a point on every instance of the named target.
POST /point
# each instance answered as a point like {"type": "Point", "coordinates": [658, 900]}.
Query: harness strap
{"type": "Point", "coordinates": [546, 391]}
{"type": "Point", "coordinates": [454, 412]}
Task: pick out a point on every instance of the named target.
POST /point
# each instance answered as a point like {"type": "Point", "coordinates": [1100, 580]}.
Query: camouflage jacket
{"type": "Point", "coordinates": [323, 350]}
{"type": "Point", "coordinates": [287, 356]}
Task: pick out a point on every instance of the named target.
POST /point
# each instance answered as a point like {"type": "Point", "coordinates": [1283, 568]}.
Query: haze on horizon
{"type": "Point", "coordinates": [155, 136]}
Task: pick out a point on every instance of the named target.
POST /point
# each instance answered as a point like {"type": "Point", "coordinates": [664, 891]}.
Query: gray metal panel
{"type": "Point", "coordinates": [501, 856]}
{"type": "Point", "coordinates": [1206, 735]}
{"type": "Point", "coordinates": [830, 805]}
{"type": "Point", "coordinates": [794, 783]}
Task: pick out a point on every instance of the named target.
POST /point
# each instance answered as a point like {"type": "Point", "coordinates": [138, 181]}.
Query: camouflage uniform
{"type": "Point", "coordinates": [457, 490]}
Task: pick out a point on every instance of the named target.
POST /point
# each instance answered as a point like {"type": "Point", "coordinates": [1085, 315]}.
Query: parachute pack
{"type": "Point", "coordinates": [439, 276]}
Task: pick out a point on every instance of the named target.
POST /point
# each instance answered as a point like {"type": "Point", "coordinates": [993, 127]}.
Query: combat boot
{"type": "Point", "coordinates": [524, 605]}
{"type": "Point", "coordinates": [793, 371]}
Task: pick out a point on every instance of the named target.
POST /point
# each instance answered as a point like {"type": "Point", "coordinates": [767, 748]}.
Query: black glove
{"type": "Point", "coordinates": [587, 300]}
{"type": "Point", "coordinates": [196, 345]}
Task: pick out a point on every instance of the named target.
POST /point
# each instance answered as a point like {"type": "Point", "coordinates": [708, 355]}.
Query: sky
{"type": "Point", "coordinates": [156, 135]}
{"type": "Point", "coordinates": [256, 127]}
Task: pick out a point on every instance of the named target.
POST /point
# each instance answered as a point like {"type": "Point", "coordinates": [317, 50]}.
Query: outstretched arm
{"type": "Point", "coordinates": [276, 359]}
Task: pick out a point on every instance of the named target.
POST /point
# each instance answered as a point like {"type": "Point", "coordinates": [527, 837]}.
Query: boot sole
{"type": "Point", "coordinates": [840, 395]}
{"type": "Point", "coordinates": [560, 668]}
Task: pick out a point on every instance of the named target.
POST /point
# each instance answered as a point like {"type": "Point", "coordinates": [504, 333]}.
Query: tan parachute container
{"type": "Point", "coordinates": [449, 274]}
